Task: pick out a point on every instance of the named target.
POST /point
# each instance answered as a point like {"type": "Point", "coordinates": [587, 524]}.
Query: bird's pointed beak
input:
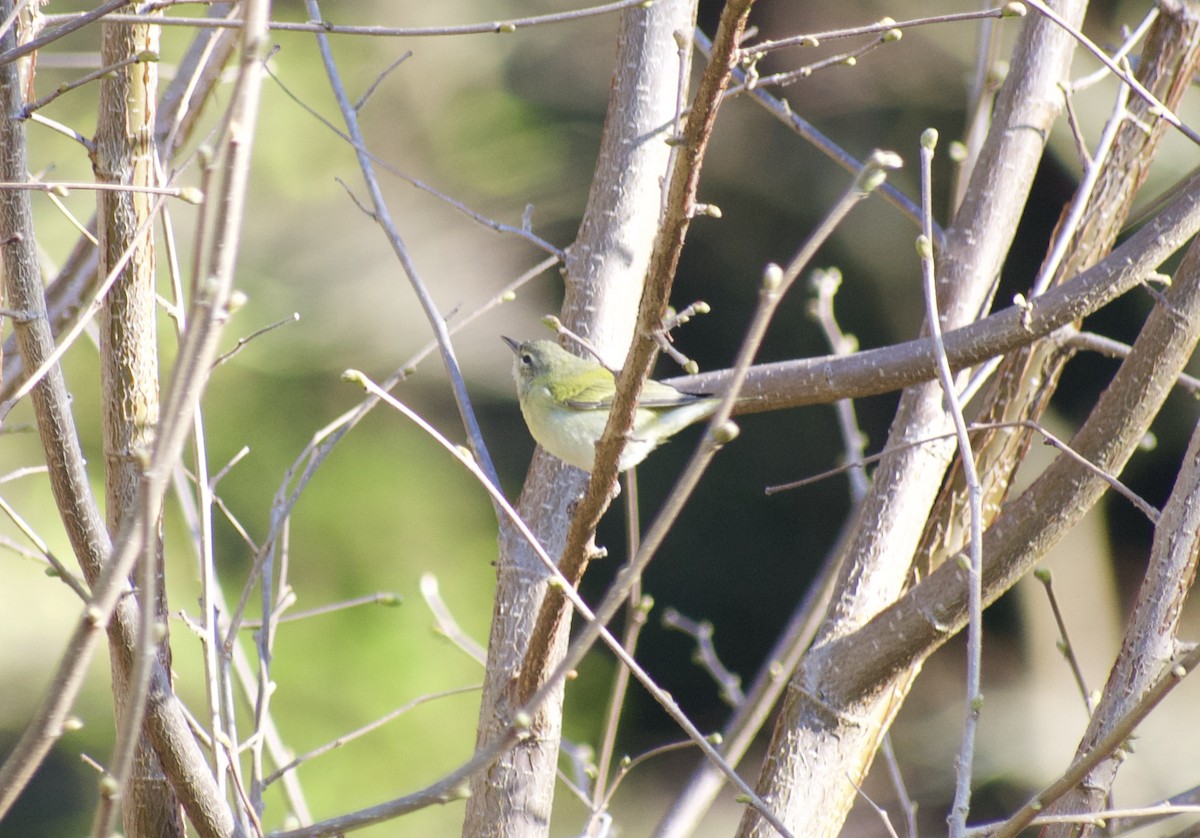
{"type": "Point", "coordinates": [512, 344]}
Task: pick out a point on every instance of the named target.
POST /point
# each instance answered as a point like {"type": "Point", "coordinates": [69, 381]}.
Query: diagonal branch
{"type": "Point", "coordinates": [820, 750]}
{"type": "Point", "coordinates": [929, 614]}
{"type": "Point", "coordinates": [873, 371]}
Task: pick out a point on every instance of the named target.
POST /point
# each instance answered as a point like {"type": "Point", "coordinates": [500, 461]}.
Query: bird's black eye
{"type": "Point", "coordinates": [527, 359]}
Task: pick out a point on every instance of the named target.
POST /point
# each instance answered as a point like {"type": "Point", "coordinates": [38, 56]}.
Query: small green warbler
{"type": "Point", "coordinates": [566, 400]}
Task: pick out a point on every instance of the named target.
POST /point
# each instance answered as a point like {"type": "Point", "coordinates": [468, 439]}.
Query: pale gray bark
{"type": "Point", "coordinates": [605, 270]}
{"type": "Point", "coordinates": [819, 751]}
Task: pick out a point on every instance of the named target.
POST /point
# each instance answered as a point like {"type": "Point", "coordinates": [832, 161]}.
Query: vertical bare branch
{"type": "Point", "coordinates": [166, 721]}
{"type": "Point", "coordinates": [605, 271]}
{"type": "Point", "coordinates": [68, 478]}
{"type": "Point", "coordinates": [124, 154]}
{"type": "Point", "coordinates": [820, 752]}
{"type": "Point", "coordinates": [679, 210]}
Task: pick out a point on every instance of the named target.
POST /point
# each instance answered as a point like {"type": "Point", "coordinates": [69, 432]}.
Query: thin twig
{"type": "Point", "coordinates": [373, 86]}
{"type": "Point", "coordinates": [1126, 47]}
{"type": "Point", "coordinates": [225, 469]}
{"type": "Point", "coordinates": [1112, 480]}
{"type": "Point", "coordinates": [974, 699]}
{"type": "Point", "coordinates": [1162, 110]}
{"type": "Point", "coordinates": [382, 214]}
{"type": "Point", "coordinates": [578, 782]}
{"type": "Point", "coordinates": [62, 188]}
{"type": "Point", "coordinates": [595, 622]}
{"type": "Point", "coordinates": [72, 220]}
{"type": "Point", "coordinates": [825, 284]}
{"type": "Point", "coordinates": [43, 550]}
{"type": "Point", "coordinates": [879, 810]}
{"type": "Point", "coordinates": [1076, 129]}
{"type": "Point", "coordinates": [1172, 675]}
{"type": "Point", "coordinates": [847, 59]}
{"type": "Point", "coordinates": [1188, 797]}
{"type": "Point", "coordinates": [220, 713]}
{"type": "Point", "coordinates": [452, 786]}
{"type": "Point", "coordinates": [1080, 204]}
{"type": "Point", "coordinates": [66, 131]}
{"type": "Point", "coordinates": [365, 153]}
{"type": "Point", "coordinates": [1043, 575]}
{"type": "Point", "coordinates": [447, 626]}
{"type": "Point", "coordinates": [884, 26]}
{"type": "Point", "coordinates": [76, 22]}
{"type": "Point", "coordinates": [627, 765]}
{"type": "Point", "coordinates": [28, 110]}
{"type": "Point", "coordinates": [636, 613]}
{"type": "Point", "coordinates": [729, 683]}
{"type": "Point", "coordinates": [1138, 502]}
{"type": "Point", "coordinates": [1104, 818]}
{"type": "Point", "coordinates": [579, 340]}
{"type": "Point", "coordinates": [899, 787]}
{"type": "Point", "coordinates": [503, 27]}
{"type": "Point", "coordinates": [241, 343]}
{"type": "Point", "coordinates": [781, 110]}
{"type": "Point", "coordinates": [1115, 349]}
{"type": "Point", "coordinates": [683, 52]}
{"type": "Point", "coordinates": [347, 738]}
{"type": "Point", "coordinates": [387, 598]}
